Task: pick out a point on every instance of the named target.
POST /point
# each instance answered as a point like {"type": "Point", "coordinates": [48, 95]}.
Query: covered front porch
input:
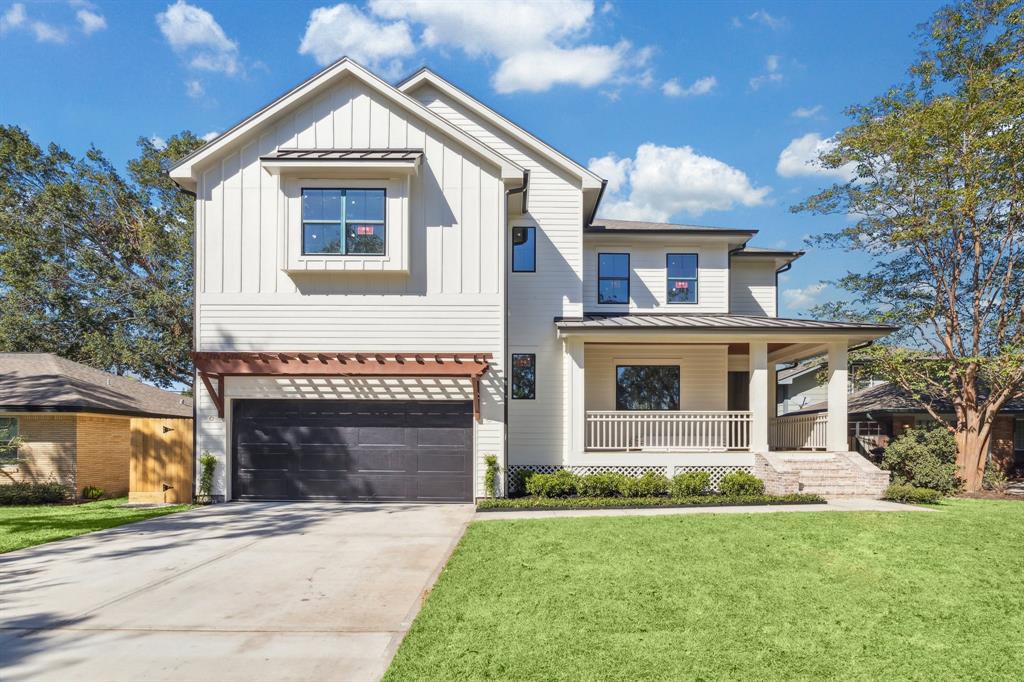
{"type": "Point", "coordinates": [696, 395]}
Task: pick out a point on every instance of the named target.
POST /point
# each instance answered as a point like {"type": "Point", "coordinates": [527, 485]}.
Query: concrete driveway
{"type": "Point", "coordinates": [242, 591]}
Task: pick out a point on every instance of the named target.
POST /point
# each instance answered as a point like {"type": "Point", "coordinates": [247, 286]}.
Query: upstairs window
{"type": "Point", "coordinates": [681, 280]}
{"type": "Point", "coordinates": [524, 249]}
{"type": "Point", "coordinates": [343, 222]}
{"type": "Point", "coordinates": [613, 278]}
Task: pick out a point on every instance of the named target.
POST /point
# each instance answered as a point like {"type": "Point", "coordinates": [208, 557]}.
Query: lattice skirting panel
{"type": "Point", "coordinates": [635, 471]}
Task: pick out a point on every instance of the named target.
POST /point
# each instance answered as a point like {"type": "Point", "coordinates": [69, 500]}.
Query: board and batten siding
{"type": "Point", "coordinates": [703, 372]}
{"type": "Point", "coordinates": [648, 272]}
{"type": "Point", "coordinates": [752, 288]}
{"type": "Point", "coordinates": [450, 300]}
{"type": "Point", "coordinates": [536, 428]}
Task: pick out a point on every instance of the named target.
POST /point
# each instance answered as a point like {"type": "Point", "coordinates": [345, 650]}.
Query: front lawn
{"type": "Point", "coordinates": [33, 525]}
{"type": "Point", "coordinates": [830, 595]}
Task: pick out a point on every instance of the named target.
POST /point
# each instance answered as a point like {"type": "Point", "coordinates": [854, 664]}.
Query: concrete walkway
{"type": "Point", "coordinates": [230, 592]}
{"type": "Point", "coordinates": [838, 504]}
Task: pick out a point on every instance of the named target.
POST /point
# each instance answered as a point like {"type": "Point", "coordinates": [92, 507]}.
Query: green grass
{"type": "Point", "coordinates": [786, 596]}
{"type": "Point", "coordinates": [33, 525]}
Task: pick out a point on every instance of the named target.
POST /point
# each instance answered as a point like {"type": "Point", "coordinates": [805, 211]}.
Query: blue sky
{"type": "Point", "coordinates": [699, 112]}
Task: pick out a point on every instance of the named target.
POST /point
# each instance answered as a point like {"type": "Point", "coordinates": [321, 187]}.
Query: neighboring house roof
{"type": "Point", "coordinates": [891, 398]}
{"type": "Point", "coordinates": [44, 382]}
{"type": "Point", "coordinates": [609, 225]}
{"type": "Point", "coordinates": [184, 172]}
{"type": "Point", "coordinates": [625, 322]}
{"type": "Point", "coordinates": [589, 179]}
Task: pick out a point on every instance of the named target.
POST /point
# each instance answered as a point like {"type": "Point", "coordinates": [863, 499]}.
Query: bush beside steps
{"type": "Point", "coordinates": [566, 490]}
{"type": "Point", "coordinates": [904, 492]}
{"type": "Point", "coordinates": [32, 493]}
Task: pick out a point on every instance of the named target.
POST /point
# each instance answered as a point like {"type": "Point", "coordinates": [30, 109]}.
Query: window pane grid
{"type": "Point", "coordinates": [613, 278]}
{"type": "Point", "coordinates": [339, 222]}
{"type": "Point", "coordinates": [681, 278]}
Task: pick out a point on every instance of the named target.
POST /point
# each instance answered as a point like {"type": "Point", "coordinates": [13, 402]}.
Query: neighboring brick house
{"type": "Point", "coordinates": [75, 422]}
{"type": "Point", "coordinates": [880, 413]}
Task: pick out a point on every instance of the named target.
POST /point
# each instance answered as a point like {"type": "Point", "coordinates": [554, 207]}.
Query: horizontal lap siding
{"type": "Point", "coordinates": [450, 300]}
{"type": "Point", "coordinates": [703, 373]}
{"type": "Point", "coordinates": [752, 288]}
{"type": "Point", "coordinates": [647, 263]}
{"type": "Point", "coordinates": [536, 431]}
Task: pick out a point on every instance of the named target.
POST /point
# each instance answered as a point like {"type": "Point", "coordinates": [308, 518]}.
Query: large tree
{"type": "Point", "coordinates": [96, 266]}
{"type": "Point", "coordinates": [937, 203]}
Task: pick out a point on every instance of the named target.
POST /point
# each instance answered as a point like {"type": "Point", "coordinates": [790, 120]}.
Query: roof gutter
{"type": "Point", "coordinates": [597, 204]}
{"type": "Point", "coordinates": [522, 189]}
{"type": "Point", "coordinates": [779, 271]}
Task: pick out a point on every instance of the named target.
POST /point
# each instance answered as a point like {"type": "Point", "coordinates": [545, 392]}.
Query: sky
{"type": "Point", "coordinates": [703, 113]}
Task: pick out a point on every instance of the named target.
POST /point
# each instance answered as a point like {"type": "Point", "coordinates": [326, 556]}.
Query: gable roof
{"type": "Point", "coordinates": [183, 172]}
{"type": "Point", "coordinates": [44, 382]}
{"type": "Point", "coordinates": [589, 179]}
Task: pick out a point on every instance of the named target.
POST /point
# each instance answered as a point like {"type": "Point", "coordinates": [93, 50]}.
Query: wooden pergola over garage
{"type": "Point", "coordinates": [214, 366]}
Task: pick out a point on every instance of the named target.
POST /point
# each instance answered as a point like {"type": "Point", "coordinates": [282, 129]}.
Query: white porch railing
{"type": "Point", "coordinates": [656, 430]}
{"type": "Point", "coordinates": [798, 432]}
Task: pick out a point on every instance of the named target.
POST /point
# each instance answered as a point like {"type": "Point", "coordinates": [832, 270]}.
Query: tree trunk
{"type": "Point", "coordinates": [972, 439]}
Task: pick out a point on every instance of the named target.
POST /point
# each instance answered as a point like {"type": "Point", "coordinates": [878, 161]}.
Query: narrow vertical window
{"type": "Point", "coordinates": [681, 278]}
{"type": "Point", "coordinates": [613, 278]}
{"type": "Point", "coordinates": [524, 249]}
{"type": "Point", "coordinates": [524, 376]}
{"type": "Point", "coordinates": [8, 438]}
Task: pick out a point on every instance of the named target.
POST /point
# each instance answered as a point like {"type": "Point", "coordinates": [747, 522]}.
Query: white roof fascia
{"type": "Point", "coordinates": [185, 170]}
{"type": "Point", "coordinates": [589, 179]}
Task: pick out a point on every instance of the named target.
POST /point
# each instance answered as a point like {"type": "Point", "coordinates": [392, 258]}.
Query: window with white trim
{"type": "Point", "coordinates": [681, 278]}
{"type": "Point", "coordinates": [342, 222]}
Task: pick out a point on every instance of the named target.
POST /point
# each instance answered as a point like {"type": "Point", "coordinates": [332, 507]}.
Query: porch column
{"type": "Point", "coordinates": [836, 431]}
{"type": "Point", "coordinates": [574, 396]}
{"type": "Point", "coordinates": [759, 396]}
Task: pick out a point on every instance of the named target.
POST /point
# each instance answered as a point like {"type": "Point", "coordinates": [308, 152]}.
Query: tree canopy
{"type": "Point", "coordinates": [937, 202]}
{"type": "Point", "coordinates": [96, 265]}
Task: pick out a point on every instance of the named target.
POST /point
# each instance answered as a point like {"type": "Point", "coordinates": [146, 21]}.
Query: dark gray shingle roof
{"type": "Point", "coordinates": [891, 398]}
{"type": "Point", "coordinates": [695, 321]}
{"type": "Point", "coordinates": [47, 382]}
{"type": "Point", "coordinates": [609, 225]}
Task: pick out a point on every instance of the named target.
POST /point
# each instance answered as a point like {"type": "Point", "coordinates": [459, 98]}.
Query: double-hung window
{"type": "Point", "coordinates": [8, 438]}
{"type": "Point", "coordinates": [681, 278]}
{"type": "Point", "coordinates": [613, 278]}
{"type": "Point", "coordinates": [524, 249]}
{"type": "Point", "coordinates": [343, 222]}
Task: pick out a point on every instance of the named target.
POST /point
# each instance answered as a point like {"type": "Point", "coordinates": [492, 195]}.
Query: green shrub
{"type": "Point", "coordinates": [601, 485]}
{"type": "Point", "coordinates": [562, 483]}
{"type": "Point", "coordinates": [91, 492]}
{"type": "Point", "coordinates": [491, 475]}
{"type": "Point", "coordinates": [995, 478]}
{"type": "Point", "coordinates": [32, 493]}
{"type": "Point", "coordinates": [741, 484]}
{"type": "Point", "coordinates": [208, 466]}
{"type": "Point", "coordinates": [632, 502]}
{"type": "Point", "coordinates": [691, 484]}
{"type": "Point", "coordinates": [925, 458]}
{"type": "Point", "coordinates": [518, 480]}
{"type": "Point", "coordinates": [905, 492]}
{"type": "Point", "coordinates": [648, 485]}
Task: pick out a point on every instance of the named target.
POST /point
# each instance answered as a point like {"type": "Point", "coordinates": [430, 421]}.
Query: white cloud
{"type": "Point", "coordinates": [537, 43]}
{"type": "Point", "coordinates": [193, 33]}
{"type": "Point", "coordinates": [800, 158]}
{"type": "Point", "coordinates": [762, 17]}
{"type": "Point", "coordinates": [772, 73]}
{"type": "Point", "coordinates": [806, 112]}
{"type": "Point", "coordinates": [701, 86]}
{"type": "Point", "coordinates": [802, 299]}
{"type": "Point", "coordinates": [16, 18]}
{"type": "Point", "coordinates": [210, 135]}
{"type": "Point", "coordinates": [158, 141]}
{"type": "Point", "coordinates": [663, 181]}
{"type": "Point", "coordinates": [194, 88]}
{"type": "Point", "coordinates": [90, 21]}
{"type": "Point", "coordinates": [344, 30]}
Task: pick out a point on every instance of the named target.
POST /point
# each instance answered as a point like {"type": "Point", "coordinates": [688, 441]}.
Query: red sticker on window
{"type": "Point", "coordinates": [364, 230]}
{"type": "Point", "coordinates": [682, 285]}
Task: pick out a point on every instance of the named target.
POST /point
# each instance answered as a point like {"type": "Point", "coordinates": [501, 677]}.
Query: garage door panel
{"type": "Point", "coordinates": [352, 450]}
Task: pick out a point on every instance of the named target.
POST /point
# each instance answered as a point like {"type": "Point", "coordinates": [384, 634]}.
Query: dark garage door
{"type": "Point", "coordinates": [352, 450]}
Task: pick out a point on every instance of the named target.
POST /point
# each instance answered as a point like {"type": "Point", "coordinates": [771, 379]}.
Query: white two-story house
{"type": "Point", "coordinates": [394, 282]}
